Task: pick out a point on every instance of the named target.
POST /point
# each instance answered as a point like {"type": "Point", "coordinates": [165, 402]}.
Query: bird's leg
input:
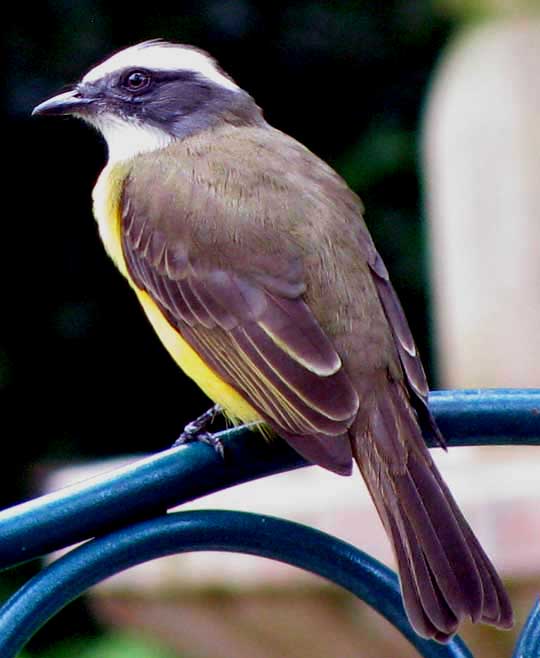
{"type": "Point", "coordinates": [194, 431]}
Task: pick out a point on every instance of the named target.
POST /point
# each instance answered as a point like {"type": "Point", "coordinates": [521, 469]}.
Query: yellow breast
{"type": "Point", "coordinates": [106, 197]}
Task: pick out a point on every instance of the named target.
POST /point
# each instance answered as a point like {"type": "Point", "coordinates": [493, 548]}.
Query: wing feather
{"type": "Point", "coordinates": [408, 355]}
{"type": "Point", "coordinates": [199, 313]}
{"type": "Point", "coordinates": [290, 325]}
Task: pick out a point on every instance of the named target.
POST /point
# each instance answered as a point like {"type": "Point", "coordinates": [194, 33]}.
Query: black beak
{"type": "Point", "coordinates": [70, 102]}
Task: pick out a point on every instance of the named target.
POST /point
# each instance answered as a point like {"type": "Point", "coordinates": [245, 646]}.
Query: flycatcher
{"type": "Point", "coordinates": [252, 261]}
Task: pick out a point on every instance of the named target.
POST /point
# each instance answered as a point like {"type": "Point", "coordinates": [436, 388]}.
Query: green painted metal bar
{"type": "Point", "coordinates": [528, 645]}
{"type": "Point", "coordinates": [241, 532]}
{"type": "Point", "coordinates": [172, 477]}
{"type": "Point", "coordinates": [130, 503]}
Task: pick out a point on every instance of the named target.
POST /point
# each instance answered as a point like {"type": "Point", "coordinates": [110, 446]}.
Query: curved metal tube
{"type": "Point", "coordinates": [169, 478]}
{"type": "Point", "coordinates": [292, 543]}
{"type": "Point", "coordinates": [488, 417]}
{"type": "Point", "coordinates": [131, 498]}
{"type": "Point", "coordinates": [528, 645]}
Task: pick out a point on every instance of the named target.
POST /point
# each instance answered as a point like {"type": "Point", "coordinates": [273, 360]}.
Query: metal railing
{"type": "Point", "coordinates": [123, 515]}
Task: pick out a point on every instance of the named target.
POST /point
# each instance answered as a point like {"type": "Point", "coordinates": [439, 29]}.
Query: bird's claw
{"type": "Point", "coordinates": [193, 431]}
{"type": "Point", "coordinates": [201, 437]}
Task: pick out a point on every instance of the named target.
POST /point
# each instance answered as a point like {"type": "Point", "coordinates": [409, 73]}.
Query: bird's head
{"type": "Point", "coordinates": [146, 96]}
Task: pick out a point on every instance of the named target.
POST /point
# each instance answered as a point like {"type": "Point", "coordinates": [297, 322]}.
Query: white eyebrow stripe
{"type": "Point", "coordinates": [161, 56]}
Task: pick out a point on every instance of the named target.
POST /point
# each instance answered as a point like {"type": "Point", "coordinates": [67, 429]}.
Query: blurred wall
{"type": "Point", "coordinates": [482, 172]}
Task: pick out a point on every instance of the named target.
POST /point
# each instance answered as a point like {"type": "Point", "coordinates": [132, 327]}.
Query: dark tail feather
{"type": "Point", "coordinates": [497, 609]}
{"type": "Point", "coordinates": [445, 574]}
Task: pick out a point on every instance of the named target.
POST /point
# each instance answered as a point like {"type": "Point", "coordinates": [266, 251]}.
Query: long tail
{"type": "Point", "coordinates": [445, 574]}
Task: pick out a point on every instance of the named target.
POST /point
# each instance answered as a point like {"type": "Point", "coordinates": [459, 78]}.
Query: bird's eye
{"type": "Point", "coordinates": [136, 81]}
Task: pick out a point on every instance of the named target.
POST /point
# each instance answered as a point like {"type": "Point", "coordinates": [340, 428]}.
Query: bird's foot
{"type": "Point", "coordinates": [194, 431]}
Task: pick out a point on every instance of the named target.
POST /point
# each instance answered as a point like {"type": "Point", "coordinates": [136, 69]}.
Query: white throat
{"type": "Point", "coordinates": [126, 139]}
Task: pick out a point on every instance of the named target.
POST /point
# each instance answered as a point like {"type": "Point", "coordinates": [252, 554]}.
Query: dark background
{"type": "Point", "coordinates": [81, 373]}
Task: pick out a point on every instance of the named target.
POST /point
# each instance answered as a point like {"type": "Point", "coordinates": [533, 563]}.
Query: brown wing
{"type": "Point", "coordinates": [408, 354]}
{"type": "Point", "coordinates": [414, 374]}
{"type": "Point", "coordinates": [249, 323]}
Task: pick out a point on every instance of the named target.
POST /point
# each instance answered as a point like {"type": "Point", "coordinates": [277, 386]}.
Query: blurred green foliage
{"type": "Point", "coordinates": [113, 645]}
{"type": "Point", "coordinates": [476, 10]}
{"type": "Point", "coordinates": [81, 372]}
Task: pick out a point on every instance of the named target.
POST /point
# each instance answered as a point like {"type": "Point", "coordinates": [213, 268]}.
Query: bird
{"type": "Point", "coordinates": [251, 259]}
